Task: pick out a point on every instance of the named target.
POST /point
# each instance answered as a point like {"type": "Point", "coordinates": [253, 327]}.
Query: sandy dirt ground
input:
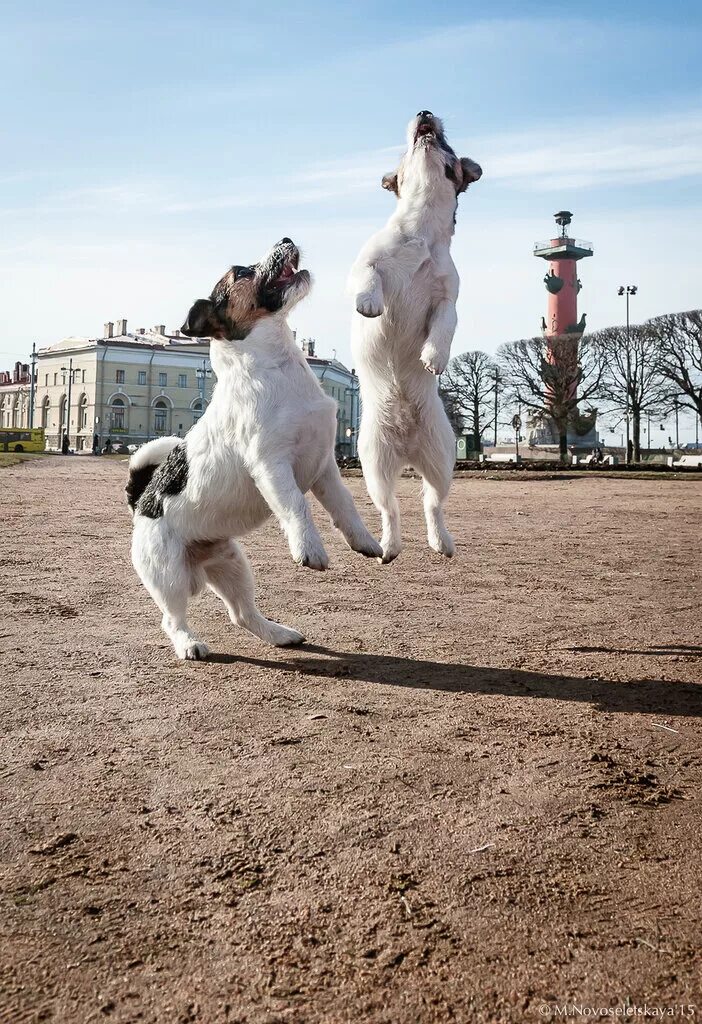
{"type": "Point", "coordinates": [474, 795]}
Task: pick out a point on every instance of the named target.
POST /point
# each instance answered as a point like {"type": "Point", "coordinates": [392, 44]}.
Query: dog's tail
{"type": "Point", "coordinates": [143, 465]}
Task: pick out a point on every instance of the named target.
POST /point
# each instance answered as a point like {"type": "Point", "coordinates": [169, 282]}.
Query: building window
{"type": "Point", "coordinates": [45, 413]}
{"type": "Point", "coordinates": [62, 415]}
{"type": "Point", "coordinates": [182, 380]}
{"type": "Point", "coordinates": [197, 410]}
{"type": "Point", "coordinates": [55, 379]}
{"type": "Point", "coordinates": [83, 412]}
{"type": "Point", "coordinates": [142, 377]}
{"type": "Point", "coordinates": [117, 417]}
{"type": "Point", "coordinates": [119, 376]}
{"type": "Point", "coordinates": [163, 380]}
{"type": "Point", "coordinates": [161, 416]}
{"type": "Point", "coordinates": [82, 376]}
{"type": "Point", "coordinates": [46, 380]}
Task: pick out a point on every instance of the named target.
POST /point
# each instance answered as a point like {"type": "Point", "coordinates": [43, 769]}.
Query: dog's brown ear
{"type": "Point", "coordinates": [471, 172]}
{"type": "Point", "coordinates": [200, 322]}
{"type": "Point", "coordinates": [390, 183]}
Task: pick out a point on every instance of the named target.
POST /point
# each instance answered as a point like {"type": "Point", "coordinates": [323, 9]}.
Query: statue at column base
{"type": "Point", "coordinates": [582, 430]}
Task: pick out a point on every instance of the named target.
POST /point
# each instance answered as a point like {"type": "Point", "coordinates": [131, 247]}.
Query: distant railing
{"type": "Point", "coordinates": [554, 243]}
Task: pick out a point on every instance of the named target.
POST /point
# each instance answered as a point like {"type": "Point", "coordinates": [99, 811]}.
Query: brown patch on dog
{"type": "Point", "coordinates": [237, 300]}
{"type": "Point", "coordinates": [470, 172]}
{"type": "Point", "coordinates": [231, 311]}
{"type": "Point", "coordinates": [247, 294]}
{"type": "Point", "coordinates": [391, 182]}
{"type": "Point", "coordinates": [461, 172]}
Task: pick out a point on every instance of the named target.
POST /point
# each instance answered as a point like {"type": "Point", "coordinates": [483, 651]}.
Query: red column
{"type": "Point", "coordinates": [563, 306]}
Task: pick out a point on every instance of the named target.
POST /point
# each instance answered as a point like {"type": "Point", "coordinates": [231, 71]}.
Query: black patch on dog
{"type": "Point", "coordinates": [137, 483]}
{"type": "Point", "coordinates": [271, 299]}
{"type": "Point", "coordinates": [168, 480]}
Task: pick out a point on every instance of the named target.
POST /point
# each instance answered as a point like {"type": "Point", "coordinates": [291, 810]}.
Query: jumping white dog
{"type": "Point", "coordinates": [266, 438]}
{"type": "Point", "coordinates": [406, 286]}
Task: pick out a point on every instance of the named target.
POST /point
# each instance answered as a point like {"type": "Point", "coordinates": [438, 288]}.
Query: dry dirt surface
{"type": "Point", "coordinates": [473, 796]}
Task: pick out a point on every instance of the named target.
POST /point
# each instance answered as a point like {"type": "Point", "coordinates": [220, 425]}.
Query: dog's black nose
{"type": "Point", "coordinates": [286, 241]}
{"type": "Point", "coordinates": [425, 113]}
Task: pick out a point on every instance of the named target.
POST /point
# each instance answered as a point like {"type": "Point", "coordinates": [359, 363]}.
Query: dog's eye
{"type": "Point", "coordinates": [240, 272]}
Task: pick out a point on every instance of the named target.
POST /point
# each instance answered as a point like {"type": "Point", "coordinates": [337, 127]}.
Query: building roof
{"type": "Point", "coordinates": [149, 339]}
{"type": "Point", "coordinates": [154, 339]}
{"type": "Point", "coordinates": [319, 361]}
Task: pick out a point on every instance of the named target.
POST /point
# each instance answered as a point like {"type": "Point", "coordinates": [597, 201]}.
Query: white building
{"type": "Point", "coordinates": [342, 385]}
{"type": "Point", "coordinates": [14, 396]}
{"type": "Point", "coordinates": [133, 387]}
{"type": "Point", "coordinates": [128, 387]}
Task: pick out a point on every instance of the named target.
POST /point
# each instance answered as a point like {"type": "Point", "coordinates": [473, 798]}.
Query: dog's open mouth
{"type": "Point", "coordinates": [287, 273]}
{"type": "Point", "coordinates": [425, 130]}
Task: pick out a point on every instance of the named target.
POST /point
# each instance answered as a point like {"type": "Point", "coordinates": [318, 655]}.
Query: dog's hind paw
{"type": "Point", "coordinates": [371, 549]}
{"type": "Point", "coordinates": [282, 636]}
{"type": "Point", "coordinates": [314, 558]}
{"type": "Point", "coordinates": [389, 553]}
{"type": "Point", "coordinates": [364, 543]}
{"type": "Point", "coordinates": [369, 304]}
{"type": "Point", "coordinates": [442, 543]}
{"type": "Point", "coordinates": [193, 650]}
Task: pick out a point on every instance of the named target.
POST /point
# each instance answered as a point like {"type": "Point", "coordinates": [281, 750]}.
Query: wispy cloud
{"type": "Point", "coordinates": [598, 153]}
{"type": "Point", "coordinates": [621, 151]}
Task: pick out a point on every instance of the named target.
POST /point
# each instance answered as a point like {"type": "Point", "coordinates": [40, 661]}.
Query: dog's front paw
{"type": "Point", "coordinates": [369, 304]}
{"type": "Point", "coordinates": [433, 360]}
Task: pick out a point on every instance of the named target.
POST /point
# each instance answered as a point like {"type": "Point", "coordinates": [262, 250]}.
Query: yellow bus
{"type": "Point", "coordinates": [15, 439]}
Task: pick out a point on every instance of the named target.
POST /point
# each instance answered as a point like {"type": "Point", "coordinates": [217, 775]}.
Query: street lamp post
{"type": "Point", "coordinates": [70, 371]}
{"type": "Point", "coordinates": [32, 385]}
{"type": "Point", "coordinates": [497, 384]}
{"type": "Point", "coordinates": [630, 289]}
{"type": "Point", "coordinates": [202, 374]}
{"type": "Point", "coordinates": [677, 422]}
{"type": "Point", "coordinates": [517, 425]}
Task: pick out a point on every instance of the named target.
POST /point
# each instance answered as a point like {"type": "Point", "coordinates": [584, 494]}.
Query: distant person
{"type": "Point", "coordinates": [64, 445]}
{"type": "Point", "coordinates": [96, 444]}
{"type": "Point", "coordinates": [108, 446]}
{"type": "Point", "coordinates": [600, 456]}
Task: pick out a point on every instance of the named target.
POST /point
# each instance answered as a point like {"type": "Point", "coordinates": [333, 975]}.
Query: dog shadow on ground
{"type": "Point", "coordinates": [645, 696]}
{"type": "Point", "coordinates": [656, 651]}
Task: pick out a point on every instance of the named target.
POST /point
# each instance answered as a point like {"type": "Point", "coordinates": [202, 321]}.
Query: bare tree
{"type": "Point", "coordinates": [679, 338]}
{"type": "Point", "coordinates": [633, 381]}
{"type": "Point", "coordinates": [469, 382]}
{"type": "Point", "coordinates": [552, 376]}
{"type": "Point", "coordinates": [453, 410]}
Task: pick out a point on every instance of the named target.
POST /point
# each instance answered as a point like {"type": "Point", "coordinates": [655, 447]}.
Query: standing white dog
{"type": "Point", "coordinates": [406, 286]}
{"type": "Point", "coordinates": [266, 438]}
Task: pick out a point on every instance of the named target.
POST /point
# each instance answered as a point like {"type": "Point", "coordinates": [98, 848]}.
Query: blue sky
{"type": "Point", "coordinates": [148, 146]}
